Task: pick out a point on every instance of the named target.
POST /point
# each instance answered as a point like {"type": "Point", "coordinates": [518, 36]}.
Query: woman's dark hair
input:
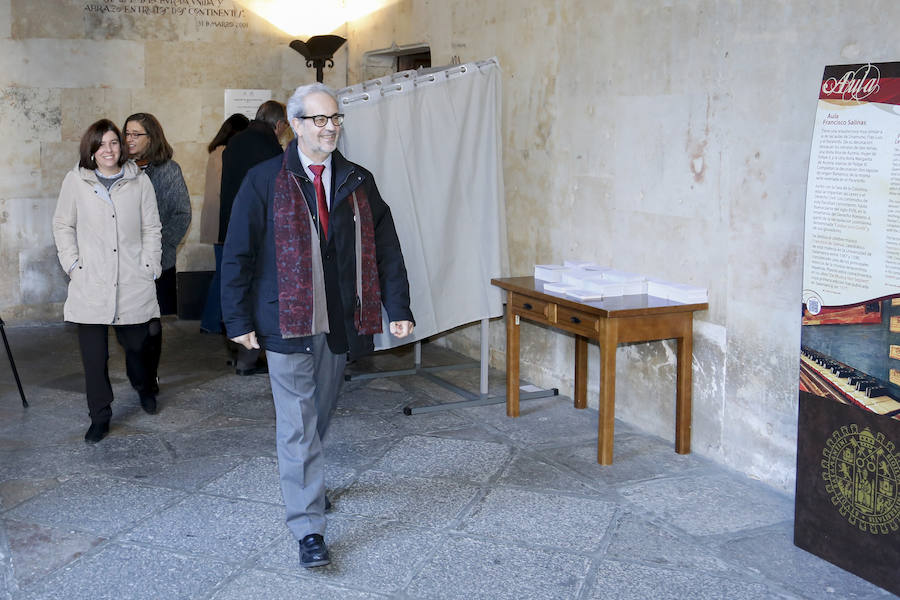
{"type": "Point", "coordinates": [91, 140]}
{"type": "Point", "coordinates": [159, 150]}
{"type": "Point", "coordinates": [233, 124]}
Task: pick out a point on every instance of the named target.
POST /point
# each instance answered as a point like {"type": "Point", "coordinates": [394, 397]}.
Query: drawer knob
{"type": "Point", "coordinates": [527, 306]}
{"type": "Point", "coordinates": [575, 319]}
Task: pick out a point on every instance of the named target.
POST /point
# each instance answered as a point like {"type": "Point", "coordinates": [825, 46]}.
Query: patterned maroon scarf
{"type": "Point", "coordinates": [367, 315]}
{"type": "Point", "coordinates": [301, 281]}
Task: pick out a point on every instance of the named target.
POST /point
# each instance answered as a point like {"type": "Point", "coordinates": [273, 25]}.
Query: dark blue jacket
{"type": "Point", "coordinates": [249, 272]}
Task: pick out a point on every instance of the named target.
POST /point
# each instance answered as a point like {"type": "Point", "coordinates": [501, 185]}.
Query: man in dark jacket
{"type": "Point", "coordinates": [310, 258]}
{"type": "Point", "coordinates": [246, 149]}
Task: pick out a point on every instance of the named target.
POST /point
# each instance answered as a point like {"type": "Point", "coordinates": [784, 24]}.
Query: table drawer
{"type": "Point", "coordinates": [532, 308]}
{"type": "Point", "coordinates": [577, 321]}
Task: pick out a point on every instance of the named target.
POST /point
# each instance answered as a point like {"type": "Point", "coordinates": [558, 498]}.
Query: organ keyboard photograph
{"type": "Point", "coordinates": [824, 376]}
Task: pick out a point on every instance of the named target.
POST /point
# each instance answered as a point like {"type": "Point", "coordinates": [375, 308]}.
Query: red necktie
{"type": "Point", "coordinates": [321, 205]}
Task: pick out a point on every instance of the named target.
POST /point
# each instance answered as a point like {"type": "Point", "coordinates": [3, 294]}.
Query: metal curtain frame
{"type": "Point", "coordinates": [483, 398]}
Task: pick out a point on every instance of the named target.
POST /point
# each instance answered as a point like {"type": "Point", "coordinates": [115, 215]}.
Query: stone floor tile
{"type": "Point", "coordinates": [101, 505]}
{"type": "Point", "coordinates": [368, 554]}
{"type": "Point", "coordinates": [355, 427]}
{"type": "Point", "coordinates": [37, 550]}
{"type": "Point", "coordinates": [255, 403]}
{"type": "Point", "coordinates": [120, 571]}
{"type": "Point", "coordinates": [190, 474]}
{"type": "Point", "coordinates": [356, 455]}
{"type": "Point", "coordinates": [256, 479]}
{"type": "Point", "coordinates": [635, 538]}
{"type": "Point", "coordinates": [469, 569]}
{"type": "Point", "coordinates": [710, 504]}
{"type": "Point", "coordinates": [337, 477]}
{"type": "Point", "coordinates": [226, 529]}
{"type": "Point", "coordinates": [264, 584]}
{"type": "Point", "coordinates": [529, 470]}
{"type": "Point", "coordinates": [44, 462]}
{"type": "Point", "coordinates": [635, 458]}
{"type": "Point", "coordinates": [541, 519]}
{"type": "Point", "coordinates": [630, 581]}
{"type": "Point", "coordinates": [8, 583]}
{"type": "Point", "coordinates": [427, 456]}
{"type": "Point", "coordinates": [427, 422]}
{"type": "Point", "coordinates": [50, 428]}
{"type": "Point", "coordinates": [416, 501]}
{"type": "Point", "coordinates": [16, 491]}
{"type": "Point", "coordinates": [168, 418]}
{"type": "Point", "coordinates": [373, 399]}
{"type": "Point", "coordinates": [774, 555]}
{"type": "Point", "coordinates": [541, 422]}
{"type": "Point", "coordinates": [255, 440]}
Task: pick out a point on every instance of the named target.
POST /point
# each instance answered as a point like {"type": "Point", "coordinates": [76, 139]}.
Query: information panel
{"type": "Point", "coordinates": [853, 189]}
{"type": "Point", "coordinates": [848, 443]}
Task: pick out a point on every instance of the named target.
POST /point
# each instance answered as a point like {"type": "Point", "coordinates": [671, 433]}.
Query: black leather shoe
{"type": "Point", "coordinates": [96, 432]}
{"type": "Point", "coordinates": [258, 370]}
{"type": "Point", "coordinates": [148, 403]}
{"type": "Point", "coordinates": [313, 552]}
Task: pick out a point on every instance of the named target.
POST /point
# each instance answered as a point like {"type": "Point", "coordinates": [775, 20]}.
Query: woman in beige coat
{"type": "Point", "coordinates": [107, 232]}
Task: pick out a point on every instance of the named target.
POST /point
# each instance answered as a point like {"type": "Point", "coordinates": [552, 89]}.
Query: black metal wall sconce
{"type": "Point", "coordinates": [319, 51]}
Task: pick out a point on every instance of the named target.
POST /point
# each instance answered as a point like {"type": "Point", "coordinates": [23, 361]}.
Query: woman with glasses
{"type": "Point", "coordinates": [107, 233]}
{"type": "Point", "coordinates": [146, 144]}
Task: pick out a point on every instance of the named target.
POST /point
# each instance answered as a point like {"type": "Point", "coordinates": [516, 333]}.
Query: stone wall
{"type": "Point", "coordinates": [672, 139]}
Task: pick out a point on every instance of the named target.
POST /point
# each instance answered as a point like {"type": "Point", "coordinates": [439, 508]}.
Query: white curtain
{"type": "Point", "coordinates": [433, 144]}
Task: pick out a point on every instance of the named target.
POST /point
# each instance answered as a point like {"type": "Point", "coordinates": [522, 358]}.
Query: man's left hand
{"type": "Point", "coordinates": [401, 329]}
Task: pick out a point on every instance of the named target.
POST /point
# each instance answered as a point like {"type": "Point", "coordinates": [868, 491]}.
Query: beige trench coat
{"type": "Point", "coordinates": [209, 218]}
{"type": "Point", "coordinates": [110, 245]}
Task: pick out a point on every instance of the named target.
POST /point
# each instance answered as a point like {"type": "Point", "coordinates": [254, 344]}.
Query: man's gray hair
{"type": "Point", "coordinates": [271, 112]}
{"type": "Point", "coordinates": [295, 105]}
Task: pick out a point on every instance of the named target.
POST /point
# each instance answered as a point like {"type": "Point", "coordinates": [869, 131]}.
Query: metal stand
{"type": "Point", "coordinates": [12, 364]}
{"type": "Point", "coordinates": [472, 399]}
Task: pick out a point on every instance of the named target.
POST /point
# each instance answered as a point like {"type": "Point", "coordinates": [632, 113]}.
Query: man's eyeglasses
{"type": "Point", "coordinates": [134, 134]}
{"type": "Point", "coordinates": [320, 120]}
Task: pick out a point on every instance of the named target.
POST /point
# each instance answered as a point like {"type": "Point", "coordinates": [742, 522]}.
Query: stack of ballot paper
{"type": "Point", "coordinates": [585, 280]}
{"type": "Point", "coordinates": [549, 272]}
{"type": "Point", "coordinates": [687, 294]}
{"type": "Point", "coordinates": [585, 295]}
{"type": "Point", "coordinates": [558, 287]}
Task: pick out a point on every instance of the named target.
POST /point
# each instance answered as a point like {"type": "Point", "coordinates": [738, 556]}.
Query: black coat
{"type": "Point", "coordinates": [246, 149]}
{"type": "Point", "coordinates": [250, 274]}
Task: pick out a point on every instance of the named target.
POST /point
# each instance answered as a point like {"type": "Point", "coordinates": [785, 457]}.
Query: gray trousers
{"type": "Point", "coordinates": [304, 388]}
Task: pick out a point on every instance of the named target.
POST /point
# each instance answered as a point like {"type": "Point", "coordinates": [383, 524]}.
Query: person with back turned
{"type": "Point", "coordinates": [256, 143]}
{"type": "Point", "coordinates": [310, 258]}
{"type": "Point", "coordinates": [211, 319]}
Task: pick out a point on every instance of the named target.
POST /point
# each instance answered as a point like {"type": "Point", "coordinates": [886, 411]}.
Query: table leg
{"type": "Point", "coordinates": [607, 403]}
{"type": "Point", "coordinates": [684, 357]}
{"type": "Point", "coordinates": [512, 360]}
{"type": "Point", "coordinates": [581, 362]}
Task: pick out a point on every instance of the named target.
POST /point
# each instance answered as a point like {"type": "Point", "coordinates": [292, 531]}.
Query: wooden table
{"type": "Point", "coordinates": [610, 321]}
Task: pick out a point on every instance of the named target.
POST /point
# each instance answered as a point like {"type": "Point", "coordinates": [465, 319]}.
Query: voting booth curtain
{"type": "Point", "coordinates": [433, 143]}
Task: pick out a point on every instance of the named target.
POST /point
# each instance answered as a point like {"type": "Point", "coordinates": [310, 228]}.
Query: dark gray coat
{"type": "Point", "coordinates": [174, 204]}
